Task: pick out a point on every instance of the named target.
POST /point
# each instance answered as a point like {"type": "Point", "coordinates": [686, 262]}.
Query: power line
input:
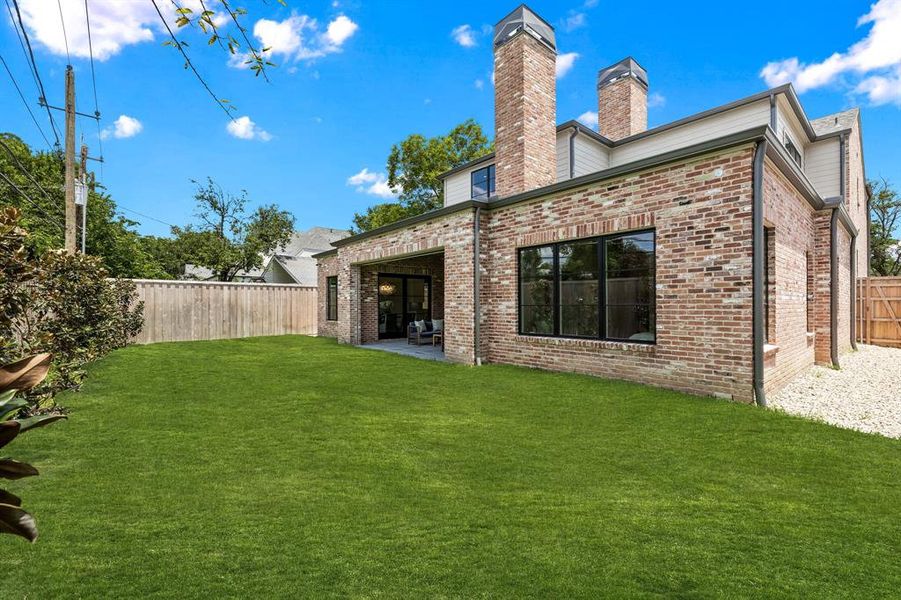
{"type": "Point", "coordinates": [21, 43]}
{"type": "Point", "coordinates": [37, 75]}
{"type": "Point", "coordinates": [32, 202]}
{"type": "Point", "coordinates": [65, 37]}
{"type": "Point", "coordinates": [87, 18]}
{"type": "Point", "coordinates": [143, 215]}
{"type": "Point", "coordinates": [22, 168]}
{"type": "Point", "coordinates": [24, 101]}
{"type": "Point", "coordinates": [188, 60]}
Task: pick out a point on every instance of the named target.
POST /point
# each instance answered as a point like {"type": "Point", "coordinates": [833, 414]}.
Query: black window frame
{"type": "Point", "coordinates": [792, 149]}
{"type": "Point", "coordinates": [601, 242]}
{"type": "Point", "coordinates": [489, 180]}
{"type": "Point", "coordinates": [331, 306]}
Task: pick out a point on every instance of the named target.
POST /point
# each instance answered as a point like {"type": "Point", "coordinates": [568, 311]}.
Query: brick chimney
{"type": "Point", "coordinates": [622, 99]}
{"type": "Point", "coordinates": [525, 103]}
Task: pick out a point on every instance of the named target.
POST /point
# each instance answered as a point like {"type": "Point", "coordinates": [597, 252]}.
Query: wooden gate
{"type": "Point", "coordinates": [879, 311]}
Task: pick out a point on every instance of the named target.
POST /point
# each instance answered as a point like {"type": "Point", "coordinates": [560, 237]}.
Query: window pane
{"type": "Point", "coordinates": [630, 287]}
{"type": "Point", "coordinates": [579, 289]}
{"type": "Point", "coordinates": [536, 290]}
{"type": "Point", "coordinates": [332, 299]}
{"type": "Point", "coordinates": [480, 183]}
{"type": "Point", "coordinates": [491, 180]}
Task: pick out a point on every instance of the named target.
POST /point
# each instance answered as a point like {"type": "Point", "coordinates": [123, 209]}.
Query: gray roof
{"type": "Point", "coordinates": [524, 19]}
{"type": "Point", "coordinates": [627, 67]}
{"type": "Point", "coordinates": [314, 239]}
{"type": "Point", "coordinates": [837, 122]}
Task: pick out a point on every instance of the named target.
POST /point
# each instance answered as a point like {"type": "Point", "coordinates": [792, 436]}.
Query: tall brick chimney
{"type": "Point", "coordinates": [525, 103]}
{"type": "Point", "coordinates": [622, 99]}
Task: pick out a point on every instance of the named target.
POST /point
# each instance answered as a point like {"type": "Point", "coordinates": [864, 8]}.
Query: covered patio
{"type": "Point", "coordinates": [402, 347]}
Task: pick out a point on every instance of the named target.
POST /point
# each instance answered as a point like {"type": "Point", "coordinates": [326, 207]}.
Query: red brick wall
{"type": "Point", "coordinates": [328, 267]}
{"type": "Point", "coordinates": [525, 115]}
{"type": "Point", "coordinates": [432, 266]}
{"type": "Point", "coordinates": [856, 196]}
{"type": "Point", "coordinates": [622, 109]}
{"type": "Point", "coordinates": [792, 220]}
{"type": "Point", "coordinates": [701, 211]}
{"type": "Point", "coordinates": [355, 266]}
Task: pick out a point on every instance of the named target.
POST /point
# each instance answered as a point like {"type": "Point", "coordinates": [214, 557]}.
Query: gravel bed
{"type": "Point", "coordinates": [864, 395]}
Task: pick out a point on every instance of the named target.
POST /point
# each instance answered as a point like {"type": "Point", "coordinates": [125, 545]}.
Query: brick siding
{"type": "Point", "coordinates": [622, 108]}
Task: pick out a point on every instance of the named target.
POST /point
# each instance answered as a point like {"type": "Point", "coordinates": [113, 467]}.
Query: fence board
{"type": "Point", "coordinates": [879, 311]}
{"type": "Point", "coordinates": [205, 310]}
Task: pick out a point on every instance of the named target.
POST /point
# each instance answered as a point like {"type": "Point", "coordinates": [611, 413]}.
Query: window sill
{"type": "Point", "coordinates": [644, 348]}
{"type": "Point", "coordinates": [770, 350]}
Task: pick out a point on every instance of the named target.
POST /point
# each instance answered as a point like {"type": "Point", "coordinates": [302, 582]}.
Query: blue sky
{"type": "Point", "coordinates": [363, 75]}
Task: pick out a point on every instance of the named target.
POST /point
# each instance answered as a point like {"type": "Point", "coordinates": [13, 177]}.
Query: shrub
{"type": "Point", "coordinates": [61, 304]}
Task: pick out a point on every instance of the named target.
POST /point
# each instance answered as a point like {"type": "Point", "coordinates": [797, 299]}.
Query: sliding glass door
{"type": "Point", "coordinates": [402, 300]}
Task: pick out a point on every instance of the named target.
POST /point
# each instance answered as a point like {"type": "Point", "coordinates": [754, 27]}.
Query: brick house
{"type": "Point", "coordinates": [713, 255]}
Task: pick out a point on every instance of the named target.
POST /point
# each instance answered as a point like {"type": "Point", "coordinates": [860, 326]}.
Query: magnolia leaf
{"type": "Point", "coordinates": [11, 406]}
{"type": "Point", "coordinates": [13, 469]}
{"type": "Point", "coordinates": [15, 521]}
{"type": "Point", "coordinates": [8, 432]}
{"type": "Point", "coordinates": [38, 421]}
{"type": "Point", "coordinates": [6, 396]}
{"type": "Point", "coordinates": [25, 373]}
{"type": "Point", "coordinates": [8, 498]}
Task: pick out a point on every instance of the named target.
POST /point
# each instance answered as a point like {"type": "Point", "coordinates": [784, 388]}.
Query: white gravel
{"type": "Point", "coordinates": [864, 395]}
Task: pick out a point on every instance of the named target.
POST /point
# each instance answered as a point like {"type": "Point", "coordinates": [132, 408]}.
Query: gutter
{"type": "Point", "coordinates": [854, 292]}
{"type": "Point", "coordinates": [572, 152]}
{"type": "Point", "coordinates": [758, 267]}
{"type": "Point", "coordinates": [476, 285]}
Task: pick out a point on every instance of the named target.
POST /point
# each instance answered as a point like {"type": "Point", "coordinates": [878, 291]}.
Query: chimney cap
{"type": "Point", "coordinates": [627, 67]}
{"type": "Point", "coordinates": [525, 19]}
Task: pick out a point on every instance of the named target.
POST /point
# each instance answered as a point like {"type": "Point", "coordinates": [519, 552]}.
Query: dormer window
{"type": "Point", "coordinates": [483, 183]}
{"type": "Point", "coordinates": [792, 149]}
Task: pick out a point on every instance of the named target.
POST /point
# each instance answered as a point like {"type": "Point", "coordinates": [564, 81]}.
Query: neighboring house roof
{"type": "Point", "coordinates": [838, 122]}
{"type": "Point", "coordinates": [294, 258]}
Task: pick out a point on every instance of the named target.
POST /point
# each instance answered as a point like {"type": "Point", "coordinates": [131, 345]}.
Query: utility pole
{"type": "Point", "coordinates": [84, 195]}
{"type": "Point", "coordinates": [70, 160]}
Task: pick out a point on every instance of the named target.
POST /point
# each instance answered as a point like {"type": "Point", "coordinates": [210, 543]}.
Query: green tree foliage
{"type": "Point", "coordinates": [413, 169]}
{"type": "Point", "coordinates": [61, 304]}
{"type": "Point", "coordinates": [226, 241]}
{"type": "Point", "coordinates": [885, 229]}
{"type": "Point", "coordinates": [40, 175]}
{"type": "Point", "coordinates": [166, 253]}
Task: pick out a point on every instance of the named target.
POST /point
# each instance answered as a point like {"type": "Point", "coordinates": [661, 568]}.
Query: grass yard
{"type": "Point", "coordinates": [297, 467]}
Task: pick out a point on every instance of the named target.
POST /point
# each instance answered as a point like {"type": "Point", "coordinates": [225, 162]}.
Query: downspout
{"type": "Point", "coordinates": [773, 112]}
{"type": "Point", "coordinates": [757, 270]}
{"type": "Point", "coordinates": [572, 152]}
{"type": "Point", "coordinates": [476, 280]}
{"type": "Point", "coordinates": [833, 288]}
{"type": "Point", "coordinates": [854, 292]}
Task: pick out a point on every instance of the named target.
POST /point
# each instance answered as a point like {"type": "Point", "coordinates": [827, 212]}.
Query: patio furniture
{"type": "Point", "coordinates": [438, 339]}
{"type": "Point", "coordinates": [421, 332]}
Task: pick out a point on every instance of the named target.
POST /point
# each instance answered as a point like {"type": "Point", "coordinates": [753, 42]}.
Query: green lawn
{"type": "Point", "coordinates": [294, 467]}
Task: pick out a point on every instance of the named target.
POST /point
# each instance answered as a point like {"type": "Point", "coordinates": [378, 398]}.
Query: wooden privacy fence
{"type": "Point", "coordinates": [879, 311]}
{"type": "Point", "coordinates": [204, 310]}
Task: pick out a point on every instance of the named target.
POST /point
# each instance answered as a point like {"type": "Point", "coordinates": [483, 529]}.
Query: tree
{"type": "Point", "coordinates": [39, 175]}
{"type": "Point", "coordinates": [227, 242]}
{"type": "Point", "coordinates": [885, 227]}
{"type": "Point", "coordinates": [413, 169]}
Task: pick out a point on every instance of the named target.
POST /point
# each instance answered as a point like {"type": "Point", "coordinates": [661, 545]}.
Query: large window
{"type": "Point", "coordinates": [600, 288]}
{"type": "Point", "coordinates": [483, 183]}
{"type": "Point", "coordinates": [331, 299]}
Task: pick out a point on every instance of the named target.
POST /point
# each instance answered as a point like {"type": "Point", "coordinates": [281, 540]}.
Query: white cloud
{"type": "Point", "coordinates": [574, 20]}
{"type": "Point", "coordinates": [464, 35]}
{"type": "Point", "coordinates": [123, 127]}
{"type": "Point", "coordinates": [565, 63]}
{"type": "Point", "coordinates": [875, 60]}
{"type": "Point", "coordinates": [299, 37]}
{"type": "Point", "coordinates": [340, 30]}
{"type": "Point", "coordinates": [115, 24]}
{"type": "Point", "coordinates": [244, 128]}
{"type": "Point", "coordinates": [374, 184]}
{"type": "Point", "coordinates": [479, 84]}
{"type": "Point", "coordinates": [656, 99]}
{"type": "Point", "coordinates": [589, 119]}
